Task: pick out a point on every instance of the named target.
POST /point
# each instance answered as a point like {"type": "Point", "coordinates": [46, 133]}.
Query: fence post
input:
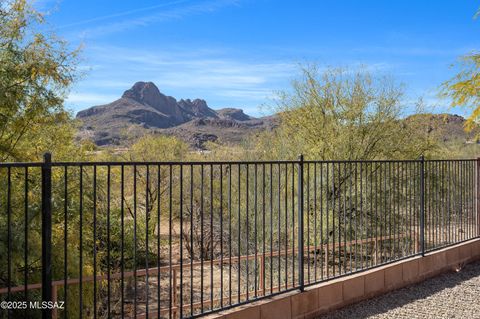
{"type": "Point", "coordinates": [422, 204]}
{"type": "Point", "coordinates": [262, 277]}
{"type": "Point", "coordinates": [477, 196]}
{"type": "Point", "coordinates": [47, 233]}
{"type": "Point", "coordinates": [300, 223]}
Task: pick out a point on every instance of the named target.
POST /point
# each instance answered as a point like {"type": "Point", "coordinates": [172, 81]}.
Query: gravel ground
{"type": "Point", "coordinates": [451, 295]}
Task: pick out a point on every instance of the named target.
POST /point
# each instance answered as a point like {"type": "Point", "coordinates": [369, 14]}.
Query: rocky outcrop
{"type": "Point", "coordinates": [200, 139]}
{"type": "Point", "coordinates": [233, 114]}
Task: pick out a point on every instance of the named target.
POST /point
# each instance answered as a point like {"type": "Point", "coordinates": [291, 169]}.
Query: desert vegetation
{"type": "Point", "coordinates": [109, 219]}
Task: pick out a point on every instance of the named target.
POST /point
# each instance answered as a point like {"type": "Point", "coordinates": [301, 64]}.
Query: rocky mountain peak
{"type": "Point", "coordinates": [144, 92]}
{"type": "Point", "coordinates": [197, 108]}
{"type": "Point", "coordinates": [200, 103]}
{"type": "Point", "coordinates": [147, 93]}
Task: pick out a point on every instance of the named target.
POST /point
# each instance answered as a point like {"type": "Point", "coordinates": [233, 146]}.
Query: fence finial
{"type": "Point", "coordinates": [47, 157]}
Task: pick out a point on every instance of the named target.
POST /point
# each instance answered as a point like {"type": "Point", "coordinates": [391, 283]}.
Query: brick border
{"type": "Point", "coordinates": [337, 293]}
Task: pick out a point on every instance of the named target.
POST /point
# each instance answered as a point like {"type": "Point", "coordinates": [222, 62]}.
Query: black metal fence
{"type": "Point", "coordinates": [183, 239]}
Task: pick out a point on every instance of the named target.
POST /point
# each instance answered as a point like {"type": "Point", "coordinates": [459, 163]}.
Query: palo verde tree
{"type": "Point", "coordinates": [463, 88]}
{"type": "Point", "coordinates": [343, 114]}
{"type": "Point", "coordinates": [36, 70]}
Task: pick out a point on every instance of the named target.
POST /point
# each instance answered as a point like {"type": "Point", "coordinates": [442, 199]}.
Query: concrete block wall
{"type": "Point", "coordinates": [337, 293]}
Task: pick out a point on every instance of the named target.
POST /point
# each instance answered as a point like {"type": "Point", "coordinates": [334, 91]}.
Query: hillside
{"type": "Point", "coordinates": [447, 128]}
{"type": "Point", "coordinates": [144, 109]}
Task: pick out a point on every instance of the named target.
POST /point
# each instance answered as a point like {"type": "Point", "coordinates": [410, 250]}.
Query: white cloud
{"type": "Point", "coordinates": [120, 14]}
{"type": "Point", "coordinates": [158, 13]}
{"type": "Point", "coordinates": [249, 94]}
{"type": "Point", "coordinates": [90, 98]}
{"type": "Point", "coordinates": [240, 81]}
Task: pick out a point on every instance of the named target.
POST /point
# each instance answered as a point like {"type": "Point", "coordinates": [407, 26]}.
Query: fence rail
{"type": "Point", "coordinates": [183, 239]}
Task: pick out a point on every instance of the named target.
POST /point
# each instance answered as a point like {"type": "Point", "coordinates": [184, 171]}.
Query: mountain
{"type": "Point", "coordinates": [143, 109]}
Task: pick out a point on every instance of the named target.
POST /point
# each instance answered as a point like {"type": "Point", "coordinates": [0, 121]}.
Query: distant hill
{"type": "Point", "coordinates": [447, 128]}
{"type": "Point", "coordinates": [143, 109]}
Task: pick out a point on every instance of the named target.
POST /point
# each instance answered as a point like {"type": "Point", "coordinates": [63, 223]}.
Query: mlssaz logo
{"type": "Point", "coordinates": [46, 304]}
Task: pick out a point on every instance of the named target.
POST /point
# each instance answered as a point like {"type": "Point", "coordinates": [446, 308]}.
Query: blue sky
{"type": "Point", "coordinates": [238, 53]}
